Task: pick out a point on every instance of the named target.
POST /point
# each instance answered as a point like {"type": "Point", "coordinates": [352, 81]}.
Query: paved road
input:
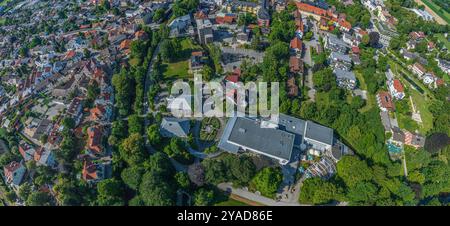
{"type": "Point", "coordinates": [255, 197]}
{"type": "Point", "coordinates": [148, 84]}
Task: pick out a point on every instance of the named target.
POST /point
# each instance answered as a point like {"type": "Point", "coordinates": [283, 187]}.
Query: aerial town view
{"type": "Point", "coordinates": [91, 113]}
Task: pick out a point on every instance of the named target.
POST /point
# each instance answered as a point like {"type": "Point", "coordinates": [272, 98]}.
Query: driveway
{"type": "Point", "coordinates": [254, 197]}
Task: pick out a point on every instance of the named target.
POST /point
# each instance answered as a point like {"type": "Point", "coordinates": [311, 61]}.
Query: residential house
{"type": "Point", "coordinates": [396, 89]}
{"type": "Point", "coordinates": [297, 46]}
{"type": "Point", "coordinates": [292, 87]}
{"type": "Point", "coordinates": [45, 157]}
{"type": "Point", "coordinates": [444, 65]}
{"type": "Point", "coordinates": [75, 110]}
{"type": "Point", "coordinates": [418, 69]}
{"type": "Point", "coordinates": [243, 37]}
{"type": "Point", "coordinates": [204, 31]}
{"type": "Point", "coordinates": [385, 102]}
{"type": "Point", "coordinates": [414, 139]}
{"type": "Point", "coordinates": [93, 172]}
{"type": "Point", "coordinates": [335, 44]}
{"type": "Point", "coordinates": [94, 144]}
{"type": "Point", "coordinates": [14, 173]}
{"type": "Point", "coordinates": [26, 150]}
{"type": "Point", "coordinates": [339, 60]}
{"type": "Point", "coordinates": [345, 79]}
{"type": "Point", "coordinates": [263, 16]}
{"type": "Point", "coordinates": [100, 113]}
{"type": "Point", "coordinates": [180, 26]}
{"type": "Point", "coordinates": [417, 36]}
{"type": "Point", "coordinates": [295, 65]}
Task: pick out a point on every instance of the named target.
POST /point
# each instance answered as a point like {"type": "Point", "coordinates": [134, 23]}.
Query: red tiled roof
{"type": "Point", "coordinates": [11, 168]}
{"type": "Point", "coordinates": [296, 43]}
{"type": "Point", "coordinates": [234, 77]}
{"type": "Point", "coordinates": [89, 170]}
{"type": "Point", "coordinates": [94, 139]}
{"type": "Point", "coordinates": [97, 112]}
{"type": "Point", "coordinates": [346, 24]}
{"type": "Point", "coordinates": [385, 100]}
{"type": "Point", "coordinates": [125, 44]}
{"type": "Point", "coordinates": [355, 49]}
{"type": "Point", "coordinates": [197, 53]}
{"type": "Point", "coordinates": [292, 87]}
{"type": "Point", "coordinates": [311, 9]}
{"type": "Point", "coordinates": [440, 82]}
{"type": "Point", "coordinates": [70, 54]}
{"type": "Point", "coordinates": [398, 86]}
{"type": "Point", "coordinates": [294, 64]}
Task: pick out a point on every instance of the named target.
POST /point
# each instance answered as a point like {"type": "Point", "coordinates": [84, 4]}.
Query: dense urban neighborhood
{"type": "Point", "coordinates": [87, 104]}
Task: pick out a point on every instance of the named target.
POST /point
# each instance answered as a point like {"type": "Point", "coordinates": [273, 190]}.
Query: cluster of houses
{"type": "Point", "coordinates": [385, 22]}
{"type": "Point", "coordinates": [418, 67]}
{"type": "Point", "coordinates": [60, 69]}
{"type": "Point", "coordinates": [344, 50]}
{"type": "Point", "coordinates": [385, 100]}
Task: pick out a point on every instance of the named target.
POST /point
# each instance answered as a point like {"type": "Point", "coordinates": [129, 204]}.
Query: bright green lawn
{"type": "Point", "coordinates": [176, 70]}
{"type": "Point", "coordinates": [443, 40]}
{"type": "Point", "coordinates": [180, 68]}
{"type": "Point", "coordinates": [421, 103]}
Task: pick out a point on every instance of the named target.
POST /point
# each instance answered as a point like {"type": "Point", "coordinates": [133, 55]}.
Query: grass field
{"type": "Point", "coordinates": [445, 15]}
{"type": "Point", "coordinates": [4, 2]}
{"type": "Point", "coordinates": [422, 104]}
{"type": "Point", "coordinates": [180, 68]}
{"type": "Point", "coordinates": [370, 102]}
{"type": "Point", "coordinates": [442, 39]}
{"type": "Point", "coordinates": [176, 70]}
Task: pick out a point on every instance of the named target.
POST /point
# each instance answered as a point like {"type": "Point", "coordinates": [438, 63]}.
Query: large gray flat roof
{"type": "Point", "coordinates": [271, 141]}
{"type": "Point", "coordinates": [319, 133]}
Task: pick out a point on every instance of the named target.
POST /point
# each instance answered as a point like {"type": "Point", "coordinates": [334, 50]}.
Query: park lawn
{"type": "Point", "coordinates": [406, 122]}
{"type": "Point", "coordinates": [442, 38]}
{"type": "Point", "coordinates": [180, 68]}
{"type": "Point", "coordinates": [421, 103]}
{"type": "Point", "coordinates": [438, 10]}
{"type": "Point", "coordinates": [176, 70]}
{"type": "Point", "coordinates": [370, 98]}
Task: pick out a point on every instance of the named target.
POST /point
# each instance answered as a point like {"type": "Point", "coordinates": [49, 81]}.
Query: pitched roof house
{"type": "Point", "coordinates": [384, 101]}
{"type": "Point", "coordinates": [94, 143]}
{"type": "Point", "coordinates": [296, 45]}
{"type": "Point", "coordinates": [396, 89]}
{"type": "Point", "coordinates": [14, 172]}
{"type": "Point", "coordinates": [92, 172]}
{"type": "Point", "coordinates": [26, 151]}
